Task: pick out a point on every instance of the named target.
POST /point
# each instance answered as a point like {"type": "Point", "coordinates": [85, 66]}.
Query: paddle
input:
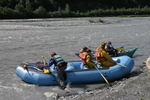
{"type": "Point", "coordinates": [46, 71]}
{"type": "Point", "coordinates": [44, 62]}
{"type": "Point", "coordinates": [103, 76]}
{"type": "Point", "coordinates": [119, 49]}
{"type": "Point", "coordinates": [25, 67]}
{"type": "Point", "coordinates": [92, 47]}
{"type": "Point", "coordinates": [121, 65]}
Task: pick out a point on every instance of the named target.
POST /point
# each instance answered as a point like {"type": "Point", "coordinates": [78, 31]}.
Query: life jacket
{"type": "Point", "coordinates": [58, 59]}
{"type": "Point", "coordinates": [98, 55]}
{"type": "Point", "coordinates": [83, 57]}
{"type": "Point", "coordinates": [81, 51]}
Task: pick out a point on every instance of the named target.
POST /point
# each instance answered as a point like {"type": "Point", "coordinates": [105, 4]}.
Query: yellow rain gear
{"type": "Point", "coordinates": [104, 59]}
{"type": "Point", "coordinates": [88, 60]}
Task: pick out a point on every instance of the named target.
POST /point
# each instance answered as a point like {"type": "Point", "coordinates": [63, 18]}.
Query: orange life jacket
{"type": "Point", "coordinates": [83, 57]}
{"type": "Point", "coordinates": [81, 51]}
{"type": "Point", "coordinates": [98, 55]}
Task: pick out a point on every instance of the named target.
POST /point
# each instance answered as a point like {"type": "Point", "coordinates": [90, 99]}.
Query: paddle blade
{"type": "Point", "coordinates": [102, 75]}
{"type": "Point", "coordinates": [44, 60]}
{"type": "Point", "coordinates": [104, 78]}
{"type": "Point", "coordinates": [24, 66]}
{"type": "Point", "coordinates": [46, 71]}
{"type": "Point", "coordinates": [43, 57]}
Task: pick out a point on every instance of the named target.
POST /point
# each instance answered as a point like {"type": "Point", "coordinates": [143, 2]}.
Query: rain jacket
{"type": "Point", "coordinates": [88, 60]}
{"type": "Point", "coordinates": [104, 59]}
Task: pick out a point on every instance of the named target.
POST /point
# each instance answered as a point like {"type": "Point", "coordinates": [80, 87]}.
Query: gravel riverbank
{"type": "Point", "coordinates": [135, 86]}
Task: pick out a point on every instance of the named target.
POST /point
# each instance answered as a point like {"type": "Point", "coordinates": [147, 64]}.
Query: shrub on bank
{"type": "Point", "coordinates": [7, 13]}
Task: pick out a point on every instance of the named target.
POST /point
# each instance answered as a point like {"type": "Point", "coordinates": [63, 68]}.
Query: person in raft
{"type": "Point", "coordinates": [87, 59]}
{"type": "Point", "coordinates": [105, 46]}
{"type": "Point", "coordinates": [110, 49]}
{"type": "Point", "coordinates": [60, 65]}
{"type": "Point", "coordinates": [102, 57]}
{"type": "Point", "coordinates": [82, 50]}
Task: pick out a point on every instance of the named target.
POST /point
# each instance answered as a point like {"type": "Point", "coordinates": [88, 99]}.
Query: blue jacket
{"type": "Point", "coordinates": [109, 45]}
{"type": "Point", "coordinates": [52, 61]}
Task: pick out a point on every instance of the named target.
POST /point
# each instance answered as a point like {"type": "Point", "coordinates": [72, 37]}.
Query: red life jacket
{"type": "Point", "coordinates": [98, 55]}
{"type": "Point", "coordinates": [81, 51]}
{"type": "Point", "coordinates": [83, 57]}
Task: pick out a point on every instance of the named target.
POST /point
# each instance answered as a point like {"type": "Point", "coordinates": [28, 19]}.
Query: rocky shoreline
{"type": "Point", "coordinates": [135, 86]}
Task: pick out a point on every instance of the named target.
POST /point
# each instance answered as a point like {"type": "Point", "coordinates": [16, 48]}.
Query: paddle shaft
{"type": "Point", "coordinates": [121, 65]}
{"type": "Point", "coordinates": [102, 75]}
{"type": "Point", "coordinates": [32, 67]}
{"type": "Point", "coordinates": [44, 61]}
{"type": "Point", "coordinates": [115, 48]}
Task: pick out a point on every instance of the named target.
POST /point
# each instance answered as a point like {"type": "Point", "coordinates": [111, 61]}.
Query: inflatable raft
{"type": "Point", "coordinates": [120, 53]}
{"type": "Point", "coordinates": [76, 73]}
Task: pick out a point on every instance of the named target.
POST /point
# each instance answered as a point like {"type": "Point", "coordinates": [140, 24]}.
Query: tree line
{"type": "Point", "coordinates": [71, 8]}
